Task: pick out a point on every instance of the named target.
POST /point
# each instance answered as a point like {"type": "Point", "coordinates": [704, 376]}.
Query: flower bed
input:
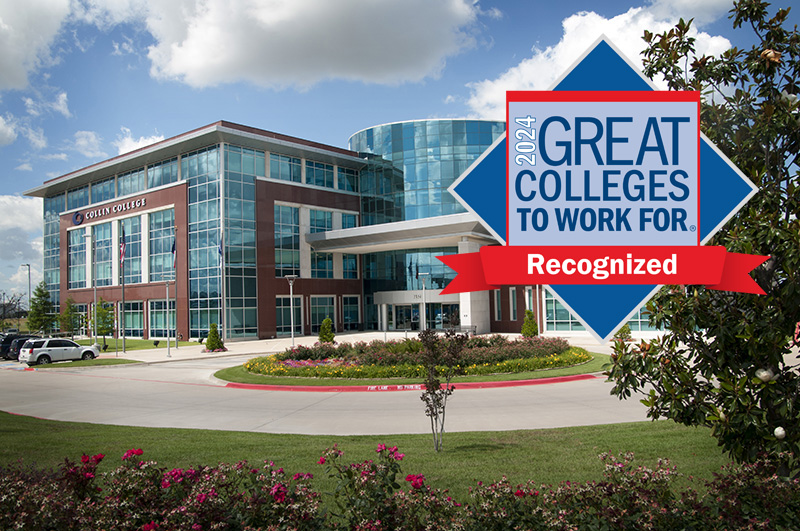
{"type": "Point", "coordinates": [352, 369]}
{"type": "Point", "coordinates": [138, 495]}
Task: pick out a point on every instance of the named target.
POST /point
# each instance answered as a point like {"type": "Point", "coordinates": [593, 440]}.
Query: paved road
{"type": "Point", "coordinates": [184, 394]}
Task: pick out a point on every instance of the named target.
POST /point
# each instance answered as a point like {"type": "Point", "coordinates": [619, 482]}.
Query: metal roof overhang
{"type": "Point", "coordinates": [197, 139]}
{"type": "Point", "coordinates": [441, 231]}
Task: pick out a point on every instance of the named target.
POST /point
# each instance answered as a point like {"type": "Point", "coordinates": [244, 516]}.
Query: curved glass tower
{"type": "Point", "coordinates": [411, 166]}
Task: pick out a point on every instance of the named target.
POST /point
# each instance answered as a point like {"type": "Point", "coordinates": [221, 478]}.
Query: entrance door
{"type": "Point", "coordinates": [406, 317]}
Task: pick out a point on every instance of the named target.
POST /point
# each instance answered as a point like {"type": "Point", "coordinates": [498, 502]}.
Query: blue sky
{"type": "Point", "coordinates": [85, 80]}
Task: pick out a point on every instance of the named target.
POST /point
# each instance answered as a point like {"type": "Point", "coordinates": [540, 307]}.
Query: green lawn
{"type": "Point", "coordinates": [239, 375]}
{"type": "Point", "coordinates": [135, 344]}
{"type": "Point", "coordinates": [546, 456]}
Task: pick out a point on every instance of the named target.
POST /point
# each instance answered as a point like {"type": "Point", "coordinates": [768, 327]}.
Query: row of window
{"type": "Point", "coordinates": [321, 174]}
{"type": "Point", "coordinates": [320, 307]}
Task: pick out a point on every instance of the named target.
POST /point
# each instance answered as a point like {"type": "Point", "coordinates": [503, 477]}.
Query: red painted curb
{"type": "Point", "coordinates": [407, 387]}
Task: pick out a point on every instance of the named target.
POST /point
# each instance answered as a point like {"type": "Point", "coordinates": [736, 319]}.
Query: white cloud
{"type": "Point", "coordinates": [37, 108]}
{"type": "Point", "coordinates": [278, 43]}
{"type": "Point", "coordinates": [27, 32]}
{"type": "Point", "coordinates": [21, 234]}
{"type": "Point", "coordinates": [25, 166]}
{"type": "Point", "coordinates": [8, 133]}
{"type": "Point", "coordinates": [702, 11]}
{"type": "Point", "coordinates": [540, 71]}
{"type": "Point", "coordinates": [125, 143]}
{"type": "Point", "coordinates": [55, 156]}
{"type": "Point", "coordinates": [35, 137]}
{"type": "Point", "coordinates": [87, 143]}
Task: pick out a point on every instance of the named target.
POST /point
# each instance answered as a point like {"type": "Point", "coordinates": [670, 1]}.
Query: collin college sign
{"type": "Point", "coordinates": [604, 189]}
{"type": "Point", "coordinates": [79, 217]}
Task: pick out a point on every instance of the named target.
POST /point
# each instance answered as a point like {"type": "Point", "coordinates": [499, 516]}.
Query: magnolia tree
{"type": "Point", "coordinates": [725, 361]}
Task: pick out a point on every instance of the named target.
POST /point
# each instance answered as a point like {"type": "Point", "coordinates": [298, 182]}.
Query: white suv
{"type": "Point", "coordinates": [43, 351]}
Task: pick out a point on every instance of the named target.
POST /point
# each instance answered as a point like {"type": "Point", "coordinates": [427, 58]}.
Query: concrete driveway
{"type": "Point", "coordinates": [181, 392]}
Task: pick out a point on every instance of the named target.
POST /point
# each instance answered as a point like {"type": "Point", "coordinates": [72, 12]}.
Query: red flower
{"type": "Point", "coordinates": [519, 493]}
{"type": "Point", "coordinates": [85, 458]}
{"type": "Point", "coordinates": [417, 480]}
{"type": "Point", "coordinates": [321, 460]}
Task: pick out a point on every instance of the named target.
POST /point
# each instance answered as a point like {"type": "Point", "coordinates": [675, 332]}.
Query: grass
{"type": "Point", "coordinates": [238, 374]}
{"type": "Point", "coordinates": [135, 344]}
{"type": "Point", "coordinates": [546, 456]}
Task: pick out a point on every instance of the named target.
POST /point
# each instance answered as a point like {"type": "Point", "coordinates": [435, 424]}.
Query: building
{"type": "Point", "coordinates": [213, 222]}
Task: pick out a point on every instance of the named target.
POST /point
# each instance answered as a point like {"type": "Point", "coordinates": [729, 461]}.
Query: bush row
{"type": "Point", "coordinates": [375, 495]}
{"type": "Point", "coordinates": [341, 368]}
{"type": "Point", "coordinates": [478, 350]}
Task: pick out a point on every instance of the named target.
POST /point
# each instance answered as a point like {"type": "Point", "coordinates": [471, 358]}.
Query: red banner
{"type": "Point", "coordinates": [711, 266]}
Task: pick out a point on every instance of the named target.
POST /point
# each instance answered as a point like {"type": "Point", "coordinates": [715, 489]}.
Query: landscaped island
{"type": "Point", "coordinates": [402, 359]}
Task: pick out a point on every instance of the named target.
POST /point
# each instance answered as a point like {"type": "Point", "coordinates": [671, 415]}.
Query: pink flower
{"type": "Point", "coordinates": [399, 457]}
{"type": "Point", "coordinates": [88, 475]}
{"type": "Point", "coordinates": [85, 458]}
{"type": "Point", "coordinates": [202, 497]}
{"type": "Point", "coordinates": [381, 447]}
{"type": "Point", "coordinates": [196, 527]}
{"type": "Point", "coordinates": [164, 483]}
{"type": "Point", "coordinates": [149, 527]}
{"type": "Point", "coordinates": [279, 492]}
{"type": "Point", "coordinates": [97, 458]}
{"type": "Point", "coordinates": [130, 453]}
{"type": "Point", "coordinates": [520, 493]}
{"type": "Point", "coordinates": [417, 480]}
{"type": "Point", "coordinates": [321, 460]}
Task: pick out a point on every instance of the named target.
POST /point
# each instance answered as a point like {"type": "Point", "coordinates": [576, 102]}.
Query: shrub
{"type": "Point", "coordinates": [213, 342]}
{"type": "Point", "coordinates": [326, 334]}
{"type": "Point", "coordinates": [529, 326]}
{"type": "Point", "coordinates": [624, 333]}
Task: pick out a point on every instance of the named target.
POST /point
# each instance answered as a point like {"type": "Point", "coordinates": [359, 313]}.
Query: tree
{"type": "Point", "coordinates": [69, 319]}
{"type": "Point", "coordinates": [213, 342]}
{"type": "Point", "coordinates": [440, 356]}
{"type": "Point", "coordinates": [723, 361]}
{"type": "Point", "coordinates": [326, 334]}
{"type": "Point", "coordinates": [105, 319]}
{"type": "Point", "coordinates": [529, 326]}
{"type": "Point", "coordinates": [40, 314]}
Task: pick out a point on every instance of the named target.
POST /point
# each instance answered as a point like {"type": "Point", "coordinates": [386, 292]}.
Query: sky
{"type": "Point", "coordinates": [85, 80]}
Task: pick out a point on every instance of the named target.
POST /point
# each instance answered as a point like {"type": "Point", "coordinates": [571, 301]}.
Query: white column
{"type": "Point", "coordinates": [115, 232]}
{"type": "Point", "coordinates": [145, 239]}
{"type": "Point", "coordinates": [474, 307]}
{"type": "Point", "coordinates": [305, 248]}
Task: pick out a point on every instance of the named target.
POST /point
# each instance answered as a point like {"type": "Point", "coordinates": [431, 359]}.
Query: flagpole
{"type": "Point", "coordinates": [122, 248]}
{"type": "Point", "coordinates": [175, 276]}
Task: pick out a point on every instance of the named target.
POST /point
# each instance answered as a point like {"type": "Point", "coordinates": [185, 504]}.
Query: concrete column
{"type": "Point", "coordinates": [474, 307]}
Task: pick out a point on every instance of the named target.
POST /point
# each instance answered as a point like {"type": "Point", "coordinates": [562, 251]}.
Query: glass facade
{"type": "Point", "coordinates": [103, 190]}
{"type": "Point", "coordinates": [131, 182]}
{"type": "Point", "coordinates": [242, 166]}
{"type": "Point", "coordinates": [410, 166]}
{"type": "Point", "coordinates": [200, 169]}
{"type": "Point", "coordinates": [76, 259]}
{"type": "Point", "coordinates": [162, 318]}
{"type": "Point", "coordinates": [283, 313]}
{"type": "Point", "coordinates": [162, 173]}
{"type": "Point", "coordinates": [319, 174]}
{"type": "Point", "coordinates": [162, 236]}
{"type": "Point", "coordinates": [53, 206]}
{"type": "Point", "coordinates": [103, 254]}
{"type": "Point", "coordinates": [321, 307]}
{"type": "Point", "coordinates": [131, 228]}
{"type": "Point", "coordinates": [285, 168]}
{"type": "Point", "coordinates": [133, 316]}
{"type": "Point", "coordinates": [287, 241]}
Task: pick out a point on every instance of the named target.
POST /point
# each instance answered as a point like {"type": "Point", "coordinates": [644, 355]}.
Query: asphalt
{"type": "Point", "coordinates": [181, 392]}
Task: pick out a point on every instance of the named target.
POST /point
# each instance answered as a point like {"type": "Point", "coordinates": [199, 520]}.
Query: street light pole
{"type": "Point", "coordinates": [424, 312]}
{"type": "Point", "coordinates": [291, 279]}
{"type": "Point", "coordinates": [29, 286]}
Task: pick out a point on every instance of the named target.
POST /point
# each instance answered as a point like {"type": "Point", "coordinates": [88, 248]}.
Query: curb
{"type": "Point", "coordinates": [407, 387]}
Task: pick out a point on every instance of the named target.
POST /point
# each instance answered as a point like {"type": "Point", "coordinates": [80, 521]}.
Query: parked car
{"type": "Point", "coordinates": [16, 346]}
{"type": "Point", "coordinates": [8, 339]}
{"type": "Point", "coordinates": [49, 349]}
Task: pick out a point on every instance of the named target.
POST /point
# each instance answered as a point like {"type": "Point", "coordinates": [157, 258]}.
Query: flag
{"type": "Point", "coordinates": [174, 254]}
{"type": "Point", "coordinates": [219, 248]}
{"type": "Point", "coordinates": [122, 246]}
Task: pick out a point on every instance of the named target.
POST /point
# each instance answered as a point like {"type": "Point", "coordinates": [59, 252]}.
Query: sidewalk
{"type": "Point", "coordinates": [259, 347]}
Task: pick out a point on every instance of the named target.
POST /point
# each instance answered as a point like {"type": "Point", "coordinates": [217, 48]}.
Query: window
{"type": "Point", "coordinates": [133, 317]}
{"type": "Point", "coordinates": [347, 179]}
{"type": "Point", "coordinates": [162, 173]}
{"type": "Point", "coordinates": [131, 228]}
{"type": "Point", "coordinates": [287, 240]}
{"type": "Point", "coordinates": [283, 314]}
{"type": "Point", "coordinates": [131, 182]}
{"type": "Point", "coordinates": [349, 221]}
{"type": "Point", "coordinates": [321, 265]}
{"type": "Point", "coordinates": [79, 197]}
{"type": "Point", "coordinates": [162, 235]}
{"type": "Point", "coordinates": [162, 318]}
{"type": "Point", "coordinates": [103, 254]}
{"type": "Point", "coordinates": [512, 300]}
{"type": "Point", "coordinates": [351, 314]}
{"type": "Point", "coordinates": [320, 220]}
{"type": "Point", "coordinates": [285, 168]}
{"type": "Point", "coordinates": [319, 174]}
{"type": "Point", "coordinates": [321, 307]}
{"type": "Point", "coordinates": [557, 317]}
{"type": "Point", "coordinates": [529, 298]}
{"type": "Point", "coordinates": [103, 190]}
{"type": "Point", "coordinates": [350, 266]}
{"type": "Point", "coordinates": [76, 256]}
{"type": "Point", "coordinates": [498, 308]}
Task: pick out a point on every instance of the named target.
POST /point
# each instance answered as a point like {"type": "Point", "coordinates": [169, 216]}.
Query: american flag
{"type": "Point", "coordinates": [122, 246]}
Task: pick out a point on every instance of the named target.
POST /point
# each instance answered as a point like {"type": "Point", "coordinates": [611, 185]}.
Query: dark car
{"type": "Point", "coordinates": [16, 346]}
{"type": "Point", "coordinates": [5, 346]}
